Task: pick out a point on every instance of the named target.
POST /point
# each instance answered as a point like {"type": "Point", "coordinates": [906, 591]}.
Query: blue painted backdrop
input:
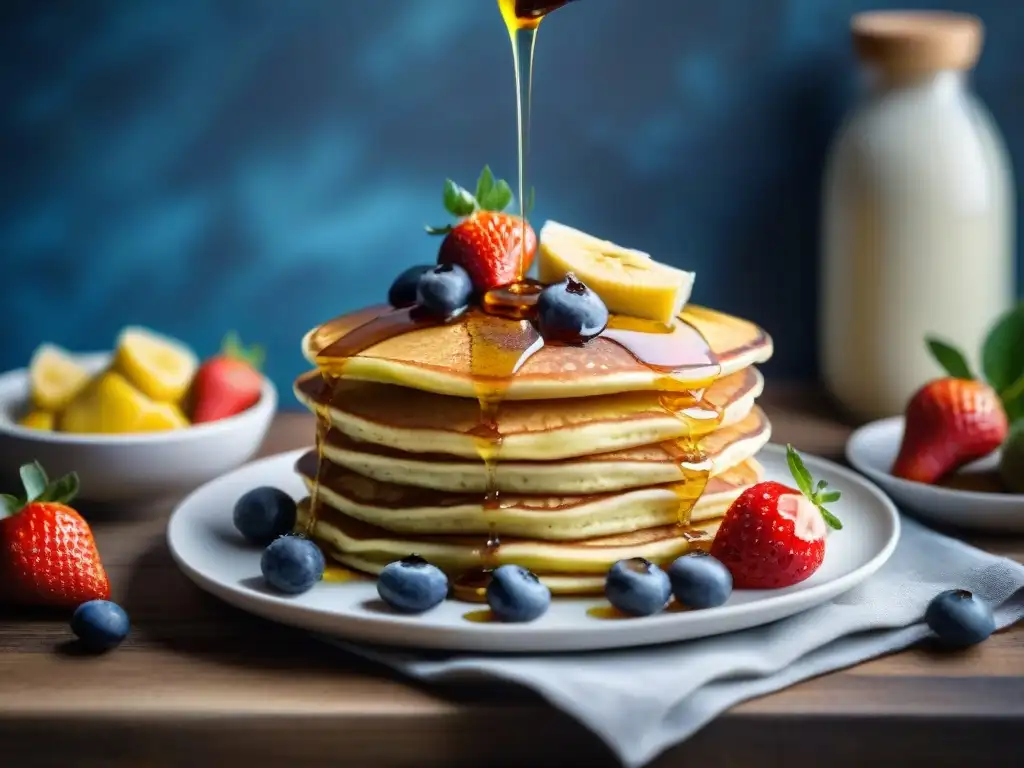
{"type": "Point", "coordinates": [207, 165]}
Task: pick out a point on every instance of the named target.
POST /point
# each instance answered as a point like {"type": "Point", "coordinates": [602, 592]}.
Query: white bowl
{"type": "Point", "coordinates": [872, 450]}
{"type": "Point", "coordinates": [128, 467]}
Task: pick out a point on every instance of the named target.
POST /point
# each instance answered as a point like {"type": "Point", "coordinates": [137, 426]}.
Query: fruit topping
{"type": "Point", "coordinates": [516, 595]}
{"type": "Point", "coordinates": [412, 585]}
{"type": "Point", "coordinates": [444, 291]}
{"type": "Point", "coordinates": [110, 404]}
{"type": "Point", "coordinates": [403, 291]}
{"type": "Point", "coordinates": [630, 282]}
{"type": "Point", "coordinates": [773, 536]}
{"type": "Point", "coordinates": [54, 378]}
{"type": "Point", "coordinates": [47, 553]}
{"type": "Point", "coordinates": [1011, 463]}
{"type": "Point", "coordinates": [227, 384]}
{"type": "Point", "coordinates": [637, 587]}
{"type": "Point", "coordinates": [570, 313]}
{"type": "Point", "coordinates": [263, 514]}
{"type": "Point", "coordinates": [485, 241]}
{"type": "Point", "coordinates": [100, 625]}
{"type": "Point", "coordinates": [41, 420]}
{"type": "Point", "coordinates": [959, 619]}
{"type": "Point", "coordinates": [292, 564]}
{"type": "Point", "coordinates": [700, 580]}
{"type": "Point", "coordinates": [160, 367]}
{"type": "Point", "coordinates": [949, 423]}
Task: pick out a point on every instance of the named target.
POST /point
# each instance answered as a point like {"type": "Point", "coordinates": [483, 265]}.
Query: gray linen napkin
{"type": "Point", "coordinates": [643, 701]}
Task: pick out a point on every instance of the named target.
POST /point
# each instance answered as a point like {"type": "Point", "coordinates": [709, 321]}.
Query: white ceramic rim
{"type": "Point", "coordinates": [854, 452]}
{"type": "Point", "coordinates": [17, 382]}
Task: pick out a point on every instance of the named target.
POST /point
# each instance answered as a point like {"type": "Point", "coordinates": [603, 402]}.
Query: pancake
{"type": "Point", "coordinates": [417, 422]}
{"type": "Point", "coordinates": [480, 354]}
{"type": "Point", "coordinates": [403, 509]}
{"type": "Point", "coordinates": [567, 568]}
{"type": "Point", "coordinates": [617, 470]}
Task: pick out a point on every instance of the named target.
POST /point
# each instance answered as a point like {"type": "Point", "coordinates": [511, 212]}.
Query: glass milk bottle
{"type": "Point", "coordinates": [918, 214]}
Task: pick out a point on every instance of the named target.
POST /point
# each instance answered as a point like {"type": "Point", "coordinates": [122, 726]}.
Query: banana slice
{"type": "Point", "coordinates": [629, 281]}
{"type": "Point", "coordinates": [54, 377]}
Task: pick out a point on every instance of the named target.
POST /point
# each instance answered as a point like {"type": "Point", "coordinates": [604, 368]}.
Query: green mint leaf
{"type": "Point", "coordinates": [34, 480]}
{"type": "Point", "coordinates": [458, 201]}
{"type": "Point", "coordinates": [950, 358]}
{"type": "Point", "coordinates": [803, 478]}
{"type": "Point", "coordinates": [831, 520]}
{"type": "Point", "coordinates": [438, 230]}
{"type": "Point", "coordinates": [484, 184]}
{"type": "Point", "coordinates": [1002, 356]}
{"type": "Point", "coordinates": [829, 498]}
{"type": "Point", "coordinates": [498, 198]}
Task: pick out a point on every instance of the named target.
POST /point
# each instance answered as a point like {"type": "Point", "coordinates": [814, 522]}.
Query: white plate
{"type": "Point", "coordinates": [872, 450]}
{"type": "Point", "coordinates": [207, 548]}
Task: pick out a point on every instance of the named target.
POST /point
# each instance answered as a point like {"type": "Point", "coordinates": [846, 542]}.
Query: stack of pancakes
{"type": "Point", "coordinates": [582, 466]}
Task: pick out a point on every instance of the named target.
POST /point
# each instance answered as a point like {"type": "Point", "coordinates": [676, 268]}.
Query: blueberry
{"type": "Point", "coordinates": [517, 595]}
{"type": "Point", "coordinates": [263, 514]}
{"type": "Point", "coordinates": [292, 564]}
{"type": "Point", "coordinates": [570, 313]}
{"type": "Point", "coordinates": [412, 585]}
{"type": "Point", "coordinates": [637, 587]}
{"type": "Point", "coordinates": [700, 580]}
{"type": "Point", "coordinates": [403, 291]}
{"type": "Point", "coordinates": [100, 624]}
{"type": "Point", "coordinates": [444, 290]}
{"type": "Point", "coordinates": [959, 619]}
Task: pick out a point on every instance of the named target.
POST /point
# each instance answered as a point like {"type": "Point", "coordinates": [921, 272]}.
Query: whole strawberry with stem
{"type": "Point", "coordinates": [48, 556]}
{"type": "Point", "coordinates": [228, 383]}
{"type": "Point", "coordinates": [495, 247]}
{"type": "Point", "coordinates": [773, 536]}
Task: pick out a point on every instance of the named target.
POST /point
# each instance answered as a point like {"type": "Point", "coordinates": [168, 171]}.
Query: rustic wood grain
{"type": "Point", "coordinates": [201, 683]}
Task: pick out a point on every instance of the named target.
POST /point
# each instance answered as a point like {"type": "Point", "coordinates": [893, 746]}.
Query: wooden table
{"type": "Point", "coordinates": [199, 683]}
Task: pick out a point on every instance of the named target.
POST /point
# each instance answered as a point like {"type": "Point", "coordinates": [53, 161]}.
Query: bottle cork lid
{"type": "Point", "coordinates": [918, 41]}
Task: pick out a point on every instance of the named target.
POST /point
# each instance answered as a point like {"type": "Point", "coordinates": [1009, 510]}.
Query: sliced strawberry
{"type": "Point", "coordinates": [227, 384]}
{"type": "Point", "coordinates": [950, 422]}
{"type": "Point", "coordinates": [486, 242]}
{"type": "Point", "coordinates": [48, 556]}
{"type": "Point", "coordinates": [773, 535]}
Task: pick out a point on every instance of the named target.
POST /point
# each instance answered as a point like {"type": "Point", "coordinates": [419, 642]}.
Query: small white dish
{"type": "Point", "coordinates": [208, 549]}
{"type": "Point", "coordinates": [872, 450]}
{"type": "Point", "coordinates": [125, 468]}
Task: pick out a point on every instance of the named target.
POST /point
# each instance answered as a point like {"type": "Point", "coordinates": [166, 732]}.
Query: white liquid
{"type": "Point", "coordinates": [917, 238]}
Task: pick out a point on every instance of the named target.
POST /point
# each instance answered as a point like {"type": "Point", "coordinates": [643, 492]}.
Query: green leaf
{"type": "Point", "coordinates": [950, 358]}
{"type": "Point", "coordinates": [498, 198]}
{"type": "Point", "coordinates": [9, 505]}
{"type": "Point", "coordinates": [438, 230]}
{"type": "Point", "coordinates": [64, 490]}
{"type": "Point", "coordinates": [34, 480]}
{"type": "Point", "coordinates": [254, 356]}
{"type": "Point", "coordinates": [830, 497]}
{"type": "Point", "coordinates": [485, 183]}
{"type": "Point", "coordinates": [1002, 356]}
{"type": "Point", "coordinates": [831, 520]}
{"type": "Point", "coordinates": [458, 201]}
{"type": "Point", "coordinates": [821, 486]}
{"type": "Point", "coordinates": [803, 478]}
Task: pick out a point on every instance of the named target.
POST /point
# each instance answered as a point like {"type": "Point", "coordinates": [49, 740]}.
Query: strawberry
{"type": "Point", "coordinates": [773, 535]}
{"type": "Point", "coordinates": [950, 422]}
{"type": "Point", "coordinates": [47, 553]}
{"type": "Point", "coordinates": [486, 242]}
{"type": "Point", "coordinates": [228, 383]}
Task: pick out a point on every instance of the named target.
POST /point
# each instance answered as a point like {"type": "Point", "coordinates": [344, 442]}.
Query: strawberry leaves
{"type": "Point", "coordinates": [491, 195]}
{"type": "Point", "coordinates": [818, 494]}
{"type": "Point", "coordinates": [232, 348]}
{"type": "Point", "coordinates": [37, 487]}
{"type": "Point", "coordinates": [1002, 360]}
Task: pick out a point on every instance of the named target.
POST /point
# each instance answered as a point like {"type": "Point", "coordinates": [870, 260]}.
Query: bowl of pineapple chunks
{"type": "Point", "coordinates": [147, 421]}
